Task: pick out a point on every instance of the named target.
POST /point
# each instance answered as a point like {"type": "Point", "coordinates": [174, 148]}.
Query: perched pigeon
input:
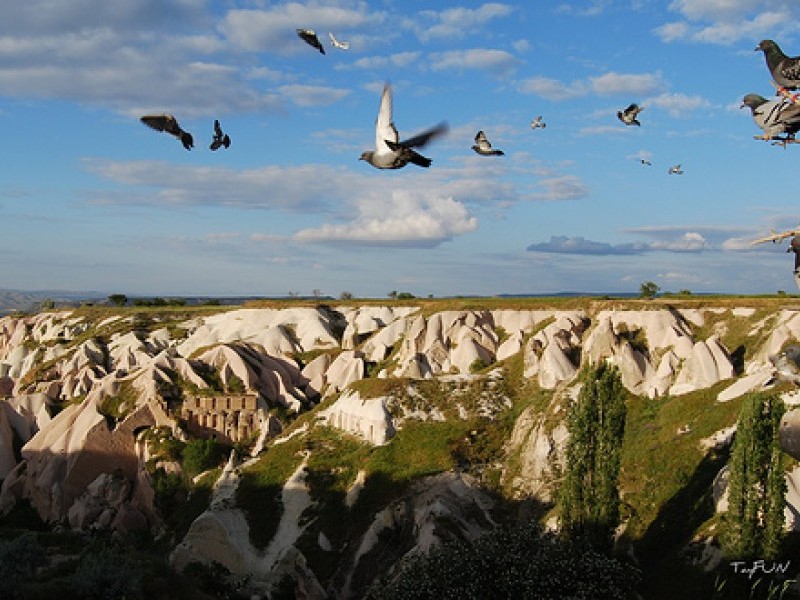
{"type": "Point", "coordinates": [774, 117]}
{"type": "Point", "coordinates": [220, 139]}
{"type": "Point", "coordinates": [337, 44]}
{"type": "Point", "coordinates": [169, 124]}
{"type": "Point", "coordinates": [628, 116]}
{"type": "Point", "coordinates": [389, 152]}
{"type": "Point", "coordinates": [309, 36]}
{"type": "Point", "coordinates": [675, 170]}
{"type": "Point", "coordinates": [484, 146]}
{"type": "Point", "coordinates": [785, 70]}
{"type": "Point", "coordinates": [537, 123]}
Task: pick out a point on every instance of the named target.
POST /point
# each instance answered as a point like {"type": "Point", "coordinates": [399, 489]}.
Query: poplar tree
{"type": "Point", "coordinates": [753, 525]}
{"type": "Point", "coordinates": [589, 494]}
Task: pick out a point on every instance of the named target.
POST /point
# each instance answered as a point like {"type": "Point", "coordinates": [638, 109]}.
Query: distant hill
{"type": "Point", "coordinates": [26, 300]}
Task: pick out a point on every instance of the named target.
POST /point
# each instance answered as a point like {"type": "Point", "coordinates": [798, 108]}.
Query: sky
{"type": "Point", "coordinates": [91, 199]}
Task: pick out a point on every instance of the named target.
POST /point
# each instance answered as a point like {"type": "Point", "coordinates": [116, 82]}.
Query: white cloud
{"type": "Point", "coordinates": [612, 83]}
{"type": "Point", "coordinates": [725, 22]}
{"type": "Point", "coordinates": [564, 187]}
{"type": "Point", "coordinates": [312, 95]}
{"type": "Point", "coordinates": [678, 105]}
{"type": "Point", "coordinates": [404, 219]}
{"type": "Point", "coordinates": [498, 62]}
{"type": "Point", "coordinates": [457, 22]}
{"type": "Point", "coordinates": [551, 89]}
{"type": "Point", "coordinates": [608, 84]}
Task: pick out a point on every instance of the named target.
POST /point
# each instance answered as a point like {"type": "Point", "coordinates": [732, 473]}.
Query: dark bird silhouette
{"type": "Point", "coordinates": [785, 70]}
{"type": "Point", "coordinates": [169, 124]}
{"type": "Point", "coordinates": [645, 162]}
{"type": "Point", "coordinates": [628, 116]}
{"type": "Point", "coordinates": [309, 36]}
{"type": "Point", "coordinates": [484, 146]}
{"type": "Point", "coordinates": [220, 138]}
{"type": "Point", "coordinates": [389, 152]}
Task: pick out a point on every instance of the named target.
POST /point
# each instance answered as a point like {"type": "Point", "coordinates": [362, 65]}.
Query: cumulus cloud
{"type": "Point", "coordinates": [457, 22]}
{"type": "Point", "coordinates": [678, 105]}
{"type": "Point", "coordinates": [404, 219]}
{"type": "Point", "coordinates": [312, 95]}
{"type": "Point", "coordinates": [726, 22]}
{"type": "Point", "coordinates": [608, 84]}
{"type": "Point", "coordinates": [564, 187]}
{"type": "Point", "coordinates": [612, 84]}
{"type": "Point", "coordinates": [551, 89]}
{"type": "Point", "coordinates": [301, 188]}
{"type": "Point", "coordinates": [498, 62]}
{"type": "Point", "coordinates": [399, 59]}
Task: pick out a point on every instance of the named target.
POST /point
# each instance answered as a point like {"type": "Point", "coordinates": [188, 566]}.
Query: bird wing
{"type": "Point", "coordinates": [217, 129]}
{"type": "Point", "coordinates": [776, 237]}
{"type": "Point", "coordinates": [337, 43]}
{"type": "Point", "coordinates": [163, 122]}
{"type": "Point", "coordinates": [482, 141]}
{"type": "Point", "coordinates": [384, 127]}
{"type": "Point", "coordinates": [426, 136]}
{"type": "Point", "coordinates": [789, 68]}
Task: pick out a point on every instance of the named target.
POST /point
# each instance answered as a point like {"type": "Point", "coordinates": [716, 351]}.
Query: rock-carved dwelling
{"type": "Point", "coordinates": [229, 418]}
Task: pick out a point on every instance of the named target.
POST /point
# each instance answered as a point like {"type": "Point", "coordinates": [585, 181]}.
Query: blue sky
{"type": "Point", "coordinates": [90, 199]}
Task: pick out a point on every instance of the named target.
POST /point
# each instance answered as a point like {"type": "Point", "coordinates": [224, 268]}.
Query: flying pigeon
{"type": "Point", "coordinates": [538, 123]}
{"type": "Point", "coordinates": [220, 139]}
{"type": "Point", "coordinates": [774, 117]}
{"type": "Point", "coordinates": [484, 146]}
{"type": "Point", "coordinates": [389, 152]}
{"type": "Point", "coordinates": [675, 170]}
{"type": "Point", "coordinates": [645, 162]}
{"type": "Point", "coordinates": [169, 124]}
{"type": "Point", "coordinates": [337, 44]}
{"type": "Point", "coordinates": [785, 70]}
{"type": "Point", "coordinates": [309, 36]}
{"type": "Point", "coordinates": [628, 116]}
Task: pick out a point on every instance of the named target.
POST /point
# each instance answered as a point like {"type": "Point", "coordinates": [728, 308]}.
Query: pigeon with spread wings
{"type": "Point", "coordinates": [628, 116]}
{"type": "Point", "coordinates": [169, 124]}
{"type": "Point", "coordinates": [484, 146]}
{"type": "Point", "coordinates": [220, 138]}
{"type": "Point", "coordinates": [390, 152]}
{"type": "Point", "coordinates": [309, 36]}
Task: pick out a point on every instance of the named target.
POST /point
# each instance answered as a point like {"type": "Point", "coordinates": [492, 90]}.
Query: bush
{"type": "Point", "coordinates": [107, 574]}
{"type": "Point", "coordinates": [201, 455]}
{"type": "Point", "coordinates": [522, 562]}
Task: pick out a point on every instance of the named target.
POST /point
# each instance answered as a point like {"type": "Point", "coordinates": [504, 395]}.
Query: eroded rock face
{"type": "Point", "coordinates": [291, 359]}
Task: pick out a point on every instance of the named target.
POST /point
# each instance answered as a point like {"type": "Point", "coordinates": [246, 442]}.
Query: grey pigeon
{"type": "Point", "coordinates": [628, 116]}
{"type": "Point", "coordinates": [675, 170]}
{"type": "Point", "coordinates": [537, 123]}
{"type": "Point", "coordinates": [484, 146]}
{"type": "Point", "coordinates": [389, 152]}
{"type": "Point", "coordinates": [787, 364]}
{"type": "Point", "coordinates": [220, 138]}
{"type": "Point", "coordinates": [785, 70]}
{"type": "Point", "coordinates": [309, 36]}
{"type": "Point", "coordinates": [169, 124]}
{"type": "Point", "coordinates": [338, 44]}
{"type": "Point", "coordinates": [774, 118]}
